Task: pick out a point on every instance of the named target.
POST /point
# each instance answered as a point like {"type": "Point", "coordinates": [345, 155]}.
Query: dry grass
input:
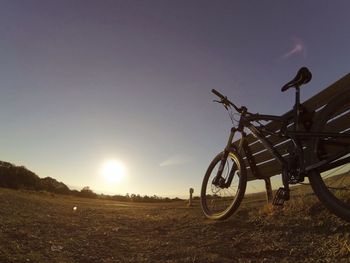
{"type": "Point", "coordinates": [41, 227]}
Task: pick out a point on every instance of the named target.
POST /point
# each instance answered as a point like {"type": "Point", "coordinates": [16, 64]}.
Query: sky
{"type": "Point", "coordinates": [84, 82]}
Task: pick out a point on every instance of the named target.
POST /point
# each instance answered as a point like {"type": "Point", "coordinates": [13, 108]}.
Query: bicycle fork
{"type": "Point", "coordinates": [218, 176]}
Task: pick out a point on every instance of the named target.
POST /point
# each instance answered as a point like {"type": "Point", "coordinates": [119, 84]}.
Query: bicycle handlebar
{"type": "Point", "coordinates": [226, 101]}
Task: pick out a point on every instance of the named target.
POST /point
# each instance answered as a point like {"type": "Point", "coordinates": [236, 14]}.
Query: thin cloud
{"type": "Point", "coordinates": [177, 159]}
{"type": "Point", "coordinates": [298, 48]}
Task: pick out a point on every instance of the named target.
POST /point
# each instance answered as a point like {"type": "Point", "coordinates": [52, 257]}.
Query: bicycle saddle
{"type": "Point", "coordinates": [303, 76]}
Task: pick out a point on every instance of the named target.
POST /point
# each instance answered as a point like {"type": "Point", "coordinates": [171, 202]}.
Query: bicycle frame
{"type": "Point", "coordinates": [311, 141]}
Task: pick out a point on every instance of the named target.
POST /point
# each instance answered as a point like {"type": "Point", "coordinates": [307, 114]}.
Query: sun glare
{"type": "Point", "coordinates": [113, 171]}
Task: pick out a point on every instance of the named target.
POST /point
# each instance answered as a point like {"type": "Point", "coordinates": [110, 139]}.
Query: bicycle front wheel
{"type": "Point", "coordinates": [221, 198]}
{"type": "Point", "coordinates": [333, 186]}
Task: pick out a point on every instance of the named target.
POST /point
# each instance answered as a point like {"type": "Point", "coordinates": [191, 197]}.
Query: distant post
{"type": "Point", "coordinates": [190, 200]}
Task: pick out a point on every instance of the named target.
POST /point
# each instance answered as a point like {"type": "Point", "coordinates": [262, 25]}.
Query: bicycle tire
{"type": "Point", "coordinates": [240, 175]}
{"type": "Point", "coordinates": [324, 186]}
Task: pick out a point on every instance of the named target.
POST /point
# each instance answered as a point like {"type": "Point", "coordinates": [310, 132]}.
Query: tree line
{"type": "Point", "coordinates": [19, 177]}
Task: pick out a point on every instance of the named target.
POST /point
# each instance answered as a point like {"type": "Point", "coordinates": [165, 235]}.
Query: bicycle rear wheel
{"type": "Point", "coordinates": [333, 186]}
{"type": "Point", "coordinates": [219, 200]}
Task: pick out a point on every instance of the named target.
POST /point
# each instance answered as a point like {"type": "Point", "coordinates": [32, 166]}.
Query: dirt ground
{"type": "Point", "coordinates": [43, 227]}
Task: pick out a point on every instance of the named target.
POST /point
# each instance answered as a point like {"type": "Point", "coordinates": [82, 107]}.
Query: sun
{"type": "Point", "coordinates": [113, 171]}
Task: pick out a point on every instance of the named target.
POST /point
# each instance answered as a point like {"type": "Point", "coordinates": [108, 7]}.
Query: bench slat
{"type": "Point", "coordinates": [266, 155]}
{"type": "Point", "coordinates": [267, 170]}
{"type": "Point", "coordinates": [257, 147]}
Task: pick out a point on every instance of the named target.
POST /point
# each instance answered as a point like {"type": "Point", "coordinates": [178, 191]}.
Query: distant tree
{"type": "Point", "coordinates": [52, 185]}
{"type": "Point", "coordinates": [87, 192]}
{"type": "Point", "coordinates": [17, 177]}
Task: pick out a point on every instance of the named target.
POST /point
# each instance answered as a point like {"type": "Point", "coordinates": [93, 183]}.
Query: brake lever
{"type": "Point", "coordinates": [222, 102]}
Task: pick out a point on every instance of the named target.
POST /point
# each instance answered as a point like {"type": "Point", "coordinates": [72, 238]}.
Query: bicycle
{"type": "Point", "coordinates": [315, 148]}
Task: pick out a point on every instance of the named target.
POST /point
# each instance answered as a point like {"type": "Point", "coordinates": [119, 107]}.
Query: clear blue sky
{"type": "Point", "coordinates": [83, 82]}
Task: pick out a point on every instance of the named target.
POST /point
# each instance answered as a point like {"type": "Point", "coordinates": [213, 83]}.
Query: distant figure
{"type": "Point", "coordinates": [190, 200]}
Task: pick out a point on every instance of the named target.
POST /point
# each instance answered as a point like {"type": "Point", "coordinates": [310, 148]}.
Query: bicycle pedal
{"type": "Point", "coordinates": [281, 196]}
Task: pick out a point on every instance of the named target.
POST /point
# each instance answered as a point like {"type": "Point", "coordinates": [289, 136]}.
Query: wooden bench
{"type": "Point", "coordinates": [266, 163]}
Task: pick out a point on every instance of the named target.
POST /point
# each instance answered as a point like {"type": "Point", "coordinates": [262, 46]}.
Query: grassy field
{"type": "Point", "coordinates": [43, 227]}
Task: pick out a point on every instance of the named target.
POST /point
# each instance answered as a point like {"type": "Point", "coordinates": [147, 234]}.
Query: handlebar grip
{"type": "Point", "coordinates": [218, 94]}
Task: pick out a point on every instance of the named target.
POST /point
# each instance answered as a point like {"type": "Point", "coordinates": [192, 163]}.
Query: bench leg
{"type": "Point", "coordinates": [268, 187]}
